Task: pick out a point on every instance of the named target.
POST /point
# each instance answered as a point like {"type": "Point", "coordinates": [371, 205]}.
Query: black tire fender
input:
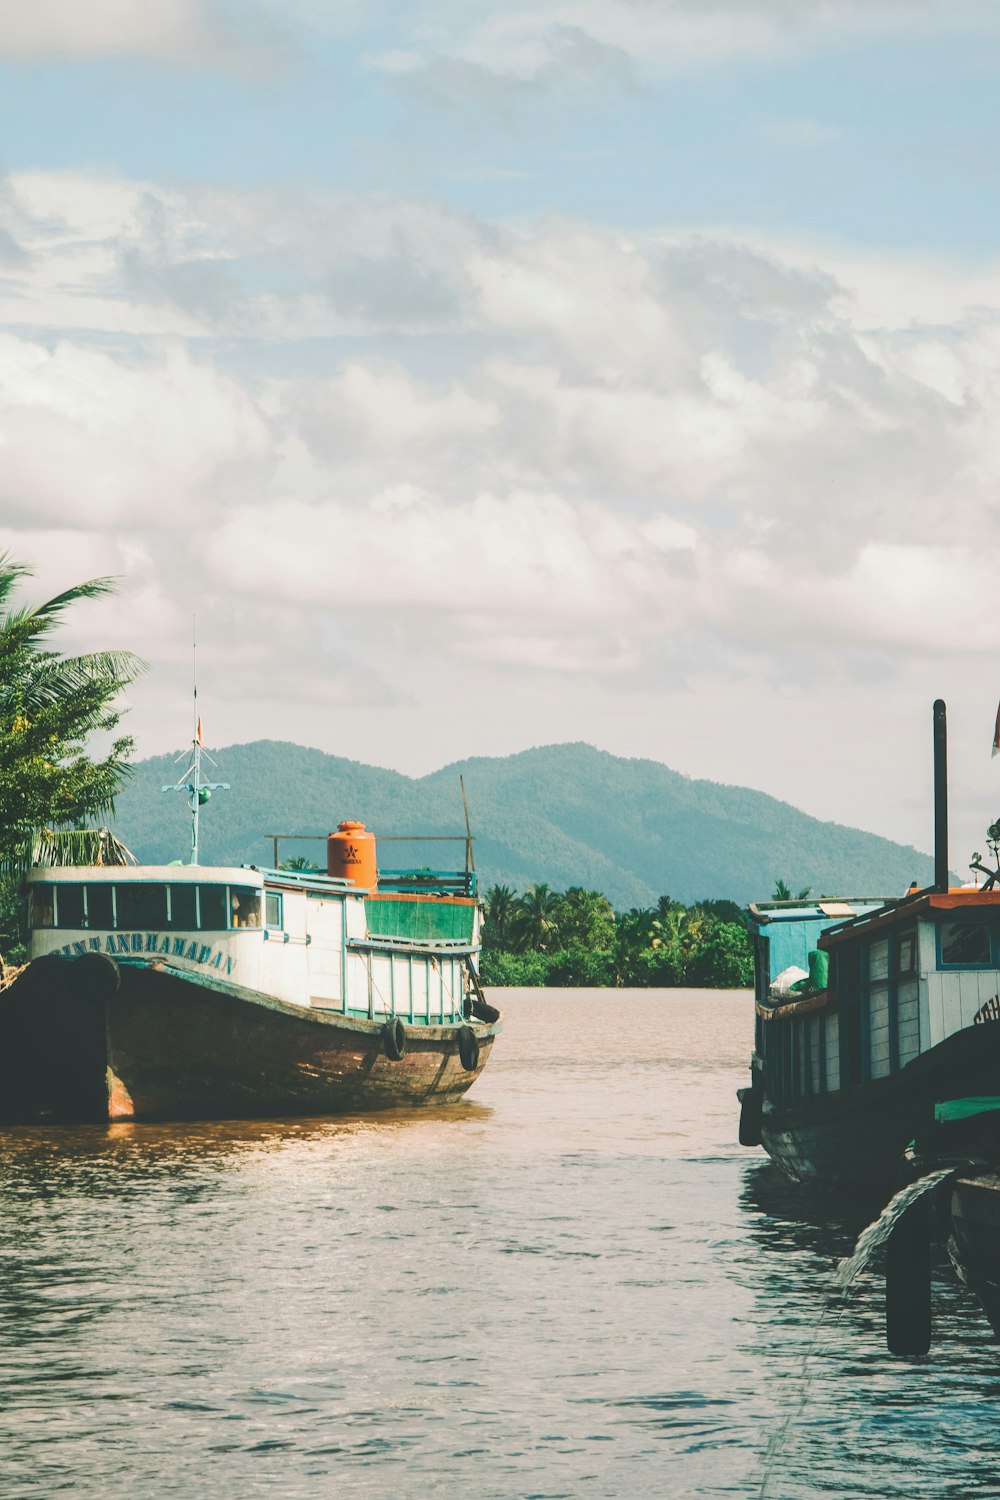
{"type": "Point", "coordinates": [468, 1048]}
{"type": "Point", "coordinates": [751, 1114]}
{"type": "Point", "coordinates": [48, 973]}
{"type": "Point", "coordinates": [96, 976]}
{"type": "Point", "coordinates": [393, 1039]}
{"type": "Point", "coordinates": [484, 1012]}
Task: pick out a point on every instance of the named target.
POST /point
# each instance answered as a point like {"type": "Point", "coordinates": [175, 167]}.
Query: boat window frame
{"type": "Point", "coordinates": [173, 923]}
{"type": "Point", "coordinates": [971, 919]}
{"type": "Point", "coordinates": [279, 925]}
{"type": "Point", "coordinates": [234, 895]}
{"type": "Point", "coordinates": [162, 886]}
{"type": "Point", "coordinates": [216, 885]}
{"type": "Point", "coordinates": [226, 888]}
{"type": "Point", "coordinates": [908, 935]}
{"type": "Point", "coordinates": [36, 886]}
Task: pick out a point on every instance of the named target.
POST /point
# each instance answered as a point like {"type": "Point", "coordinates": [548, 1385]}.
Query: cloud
{"type": "Point", "coordinates": [562, 58]}
{"type": "Point", "coordinates": [177, 32]}
{"type": "Point", "coordinates": [489, 57]}
{"type": "Point", "coordinates": [145, 444]}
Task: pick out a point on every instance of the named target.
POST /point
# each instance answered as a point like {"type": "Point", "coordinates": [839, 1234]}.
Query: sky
{"type": "Point", "coordinates": [474, 376]}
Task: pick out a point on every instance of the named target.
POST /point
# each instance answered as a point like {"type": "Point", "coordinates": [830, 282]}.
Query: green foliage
{"type": "Point", "coordinates": [50, 706]}
{"type": "Point", "coordinates": [12, 921]}
{"type": "Point", "coordinates": [574, 938]}
{"type": "Point", "coordinates": [585, 920]}
{"type": "Point", "coordinates": [725, 958]}
{"type": "Point", "coordinates": [578, 965]}
{"type": "Point", "coordinates": [518, 970]}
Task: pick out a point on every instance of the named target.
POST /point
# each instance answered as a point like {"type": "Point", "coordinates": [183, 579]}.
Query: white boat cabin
{"type": "Point", "coordinates": [309, 939]}
{"type": "Point", "coordinates": [902, 977]}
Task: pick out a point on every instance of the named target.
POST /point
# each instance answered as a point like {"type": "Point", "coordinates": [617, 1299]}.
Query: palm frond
{"type": "Point", "coordinates": [63, 676]}
{"type": "Point", "coordinates": [11, 573]}
{"type": "Point", "coordinates": [94, 588]}
{"type": "Point", "coordinates": [79, 846]}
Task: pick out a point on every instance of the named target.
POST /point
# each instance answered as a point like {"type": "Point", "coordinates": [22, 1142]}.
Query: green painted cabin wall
{"type": "Point", "coordinates": [419, 919]}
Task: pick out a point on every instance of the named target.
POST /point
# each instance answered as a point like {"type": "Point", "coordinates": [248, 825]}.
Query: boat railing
{"type": "Point", "coordinates": [307, 879]}
{"type": "Point", "coordinates": [437, 882]}
{"type": "Point", "coordinates": [394, 882]}
{"type": "Point", "coordinates": [376, 943]}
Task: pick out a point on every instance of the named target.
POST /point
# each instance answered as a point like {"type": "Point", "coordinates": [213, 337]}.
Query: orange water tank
{"type": "Point", "coordinates": [350, 855]}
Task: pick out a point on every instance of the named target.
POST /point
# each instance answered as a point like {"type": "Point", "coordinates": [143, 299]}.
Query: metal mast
{"type": "Point", "coordinates": [198, 790]}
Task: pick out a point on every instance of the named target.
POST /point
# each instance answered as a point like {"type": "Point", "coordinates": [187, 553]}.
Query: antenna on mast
{"type": "Point", "coordinates": [198, 791]}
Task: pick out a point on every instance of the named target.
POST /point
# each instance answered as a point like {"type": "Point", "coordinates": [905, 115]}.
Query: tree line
{"type": "Point", "coordinates": [575, 937]}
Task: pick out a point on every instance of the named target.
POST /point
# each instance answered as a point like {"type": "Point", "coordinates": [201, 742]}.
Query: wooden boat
{"type": "Point", "coordinates": [974, 1241]}
{"type": "Point", "coordinates": [191, 992]}
{"type": "Point", "coordinates": [849, 1067]}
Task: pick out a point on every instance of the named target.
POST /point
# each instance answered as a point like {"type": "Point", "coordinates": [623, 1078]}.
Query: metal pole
{"type": "Point", "coordinates": [940, 796]}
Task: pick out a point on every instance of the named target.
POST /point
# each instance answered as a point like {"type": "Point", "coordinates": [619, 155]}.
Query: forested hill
{"type": "Point", "coordinates": [564, 814]}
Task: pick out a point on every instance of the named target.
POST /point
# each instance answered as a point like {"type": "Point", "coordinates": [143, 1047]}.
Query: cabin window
{"type": "Point", "coordinates": [212, 906]}
{"type": "Point", "coordinates": [878, 959]}
{"type": "Point", "coordinates": [69, 906]}
{"type": "Point", "coordinates": [100, 907]}
{"type": "Point", "coordinates": [272, 909]}
{"type": "Point", "coordinates": [142, 907]}
{"type": "Point", "coordinates": [41, 906]}
{"type": "Point", "coordinates": [906, 953]}
{"type": "Point", "coordinates": [183, 917]}
{"type": "Point", "coordinates": [244, 906]}
{"type": "Point", "coordinates": [964, 943]}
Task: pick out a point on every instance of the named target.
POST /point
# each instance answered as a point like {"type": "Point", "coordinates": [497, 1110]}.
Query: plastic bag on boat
{"type": "Point", "coordinates": [783, 983]}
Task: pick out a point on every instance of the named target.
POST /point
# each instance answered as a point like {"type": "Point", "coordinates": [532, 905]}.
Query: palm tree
{"type": "Point", "coordinates": [500, 908]}
{"type": "Point", "coordinates": [782, 892]}
{"type": "Point", "coordinates": [50, 705]}
{"type": "Point", "coordinates": [536, 917]}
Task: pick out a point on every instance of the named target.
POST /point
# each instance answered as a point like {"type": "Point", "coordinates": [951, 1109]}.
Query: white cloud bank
{"type": "Point", "coordinates": [180, 33]}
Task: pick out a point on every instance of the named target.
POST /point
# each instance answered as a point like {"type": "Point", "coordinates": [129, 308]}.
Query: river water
{"type": "Point", "coordinates": [574, 1285]}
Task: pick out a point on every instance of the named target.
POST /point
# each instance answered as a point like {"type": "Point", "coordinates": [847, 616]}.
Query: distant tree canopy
{"type": "Point", "coordinates": [782, 892]}
{"type": "Point", "coordinates": [50, 706]}
{"type": "Point", "coordinates": [574, 937]}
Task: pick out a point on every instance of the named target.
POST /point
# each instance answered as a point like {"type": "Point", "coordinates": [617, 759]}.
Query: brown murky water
{"type": "Point", "coordinates": [576, 1284]}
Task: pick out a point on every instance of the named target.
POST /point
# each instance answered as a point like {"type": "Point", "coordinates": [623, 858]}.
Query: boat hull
{"type": "Point", "coordinates": [146, 1041]}
{"type": "Point", "coordinates": [856, 1137]}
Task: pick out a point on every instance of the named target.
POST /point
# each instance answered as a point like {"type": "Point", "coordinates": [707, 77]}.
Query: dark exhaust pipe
{"type": "Point", "coordinates": [940, 796]}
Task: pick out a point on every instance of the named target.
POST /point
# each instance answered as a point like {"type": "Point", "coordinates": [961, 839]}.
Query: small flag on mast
{"type": "Point", "coordinates": [996, 735]}
{"type": "Point", "coordinates": [201, 737]}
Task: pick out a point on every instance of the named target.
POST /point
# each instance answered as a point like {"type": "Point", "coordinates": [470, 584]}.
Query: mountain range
{"type": "Point", "coordinates": [568, 815]}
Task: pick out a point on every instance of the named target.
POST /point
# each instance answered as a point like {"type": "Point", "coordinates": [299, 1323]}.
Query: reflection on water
{"type": "Point", "coordinates": [574, 1284]}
